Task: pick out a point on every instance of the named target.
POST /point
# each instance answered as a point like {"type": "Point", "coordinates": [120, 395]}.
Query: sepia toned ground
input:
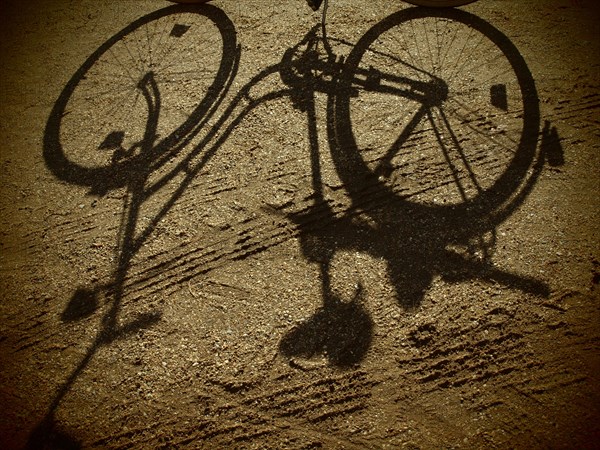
{"type": "Point", "coordinates": [218, 230]}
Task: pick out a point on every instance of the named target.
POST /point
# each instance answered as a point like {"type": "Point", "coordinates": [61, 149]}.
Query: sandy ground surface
{"type": "Point", "coordinates": [215, 235]}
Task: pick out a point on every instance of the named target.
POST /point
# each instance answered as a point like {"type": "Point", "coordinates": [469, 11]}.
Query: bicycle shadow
{"type": "Point", "coordinates": [417, 242]}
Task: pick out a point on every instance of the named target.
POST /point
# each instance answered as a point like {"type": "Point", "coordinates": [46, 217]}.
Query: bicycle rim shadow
{"type": "Point", "coordinates": [418, 241]}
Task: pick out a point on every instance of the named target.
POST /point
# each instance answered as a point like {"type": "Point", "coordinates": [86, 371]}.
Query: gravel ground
{"type": "Point", "coordinates": [218, 230]}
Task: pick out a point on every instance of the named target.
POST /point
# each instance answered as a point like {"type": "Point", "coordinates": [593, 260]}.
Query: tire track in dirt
{"type": "Point", "coordinates": [184, 263]}
{"type": "Point", "coordinates": [582, 112]}
{"type": "Point", "coordinates": [288, 408]}
{"type": "Point", "coordinates": [495, 368]}
{"type": "Point", "coordinates": [163, 272]}
{"type": "Point", "coordinates": [74, 237]}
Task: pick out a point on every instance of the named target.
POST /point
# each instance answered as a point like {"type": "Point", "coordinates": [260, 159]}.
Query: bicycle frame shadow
{"type": "Point", "coordinates": [414, 240]}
